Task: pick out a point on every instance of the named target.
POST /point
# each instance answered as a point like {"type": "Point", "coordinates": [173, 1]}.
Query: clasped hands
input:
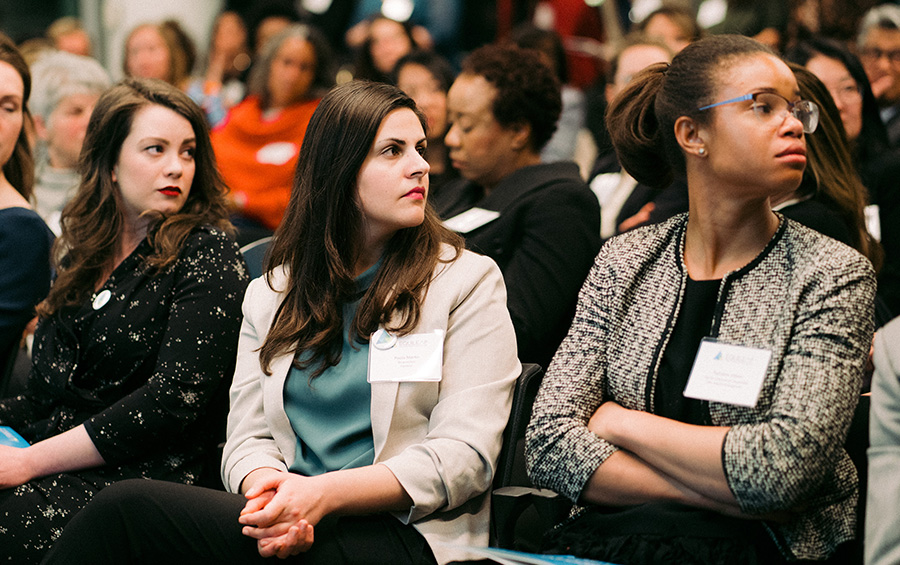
{"type": "Point", "coordinates": [280, 512]}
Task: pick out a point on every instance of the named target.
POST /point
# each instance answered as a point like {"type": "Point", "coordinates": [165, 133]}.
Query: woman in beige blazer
{"type": "Point", "coordinates": [373, 383]}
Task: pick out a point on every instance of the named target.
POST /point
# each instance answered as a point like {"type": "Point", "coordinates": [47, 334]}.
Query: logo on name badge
{"type": "Point", "coordinates": [381, 339]}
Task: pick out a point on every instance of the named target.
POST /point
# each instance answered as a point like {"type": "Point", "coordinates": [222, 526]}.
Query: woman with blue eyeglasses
{"type": "Point", "coordinates": [697, 409]}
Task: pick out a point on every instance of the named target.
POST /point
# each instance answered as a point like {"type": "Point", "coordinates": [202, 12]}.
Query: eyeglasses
{"type": "Point", "coordinates": [872, 54]}
{"type": "Point", "coordinates": [771, 108]}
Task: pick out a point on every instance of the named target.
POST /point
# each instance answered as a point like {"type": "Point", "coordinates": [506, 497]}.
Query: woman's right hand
{"type": "Point", "coordinates": [281, 510]}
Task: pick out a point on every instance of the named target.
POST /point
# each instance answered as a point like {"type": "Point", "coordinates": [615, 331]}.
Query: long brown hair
{"type": "Point", "coordinates": [93, 220]}
{"type": "Point", "coordinates": [19, 168]}
{"type": "Point", "coordinates": [319, 239]}
{"type": "Point", "coordinates": [832, 166]}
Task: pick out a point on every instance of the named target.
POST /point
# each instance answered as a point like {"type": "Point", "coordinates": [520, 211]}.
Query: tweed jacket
{"type": "Point", "coordinates": [440, 439]}
{"type": "Point", "coordinates": [805, 297]}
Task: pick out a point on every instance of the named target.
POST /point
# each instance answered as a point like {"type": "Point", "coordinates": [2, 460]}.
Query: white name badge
{"type": "Point", "coordinates": [410, 358]}
{"type": "Point", "coordinates": [730, 374]}
{"type": "Point", "coordinates": [470, 219]}
{"type": "Point", "coordinates": [873, 221]}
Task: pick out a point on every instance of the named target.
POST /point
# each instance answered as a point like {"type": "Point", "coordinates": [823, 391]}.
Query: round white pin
{"type": "Point", "coordinates": [101, 299]}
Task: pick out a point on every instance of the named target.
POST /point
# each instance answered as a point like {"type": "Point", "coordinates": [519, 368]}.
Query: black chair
{"type": "Point", "coordinates": [255, 256]}
{"type": "Point", "coordinates": [520, 513]}
{"type": "Point", "coordinates": [856, 445]}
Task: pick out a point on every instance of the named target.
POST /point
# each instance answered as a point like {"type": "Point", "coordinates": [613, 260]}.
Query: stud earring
{"type": "Point", "coordinates": [702, 151]}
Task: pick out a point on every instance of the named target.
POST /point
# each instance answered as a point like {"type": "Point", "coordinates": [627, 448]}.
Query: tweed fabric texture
{"type": "Point", "coordinates": [805, 297]}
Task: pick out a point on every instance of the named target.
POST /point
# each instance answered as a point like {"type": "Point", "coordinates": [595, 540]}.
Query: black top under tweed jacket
{"type": "Point", "coordinates": [805, 297]}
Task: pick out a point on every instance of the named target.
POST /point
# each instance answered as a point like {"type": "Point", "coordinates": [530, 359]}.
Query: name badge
{"type": "Point", "coordinates": [409, 358]}
{"type": "Point", "coordinates": [470, 219]}
{"type": "Point", "coordinates": [873, 220]}
{"type": "Point", "coordinates": [730, 374]}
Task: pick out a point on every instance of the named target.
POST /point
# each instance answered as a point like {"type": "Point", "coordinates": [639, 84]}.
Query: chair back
{"type": "Point", "coordinates": [255, 256]}
{"type": "Point", "coordinates": [511, 464]}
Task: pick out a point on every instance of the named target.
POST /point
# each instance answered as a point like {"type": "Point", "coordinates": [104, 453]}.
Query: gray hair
{"type": "Point", "coordinates": [885, 16]}
{"type": "Point", "coordinates": [258, 81]}
{"type": "Point", "coordinates": [58, 75]}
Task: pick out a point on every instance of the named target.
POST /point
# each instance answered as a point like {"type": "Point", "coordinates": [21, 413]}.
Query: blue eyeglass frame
{"type": "Point", "coordinates": [750, 97]}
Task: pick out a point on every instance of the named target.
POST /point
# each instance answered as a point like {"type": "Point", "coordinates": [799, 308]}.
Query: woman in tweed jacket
{"type": "Point", "coordinates": [611, 429]}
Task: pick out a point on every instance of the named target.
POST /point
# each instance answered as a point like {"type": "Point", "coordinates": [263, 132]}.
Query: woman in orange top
{"type": "Point", "coordinates": [258, 143]}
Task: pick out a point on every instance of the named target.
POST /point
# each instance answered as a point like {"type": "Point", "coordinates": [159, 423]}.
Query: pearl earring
{"type": "Point", "coordinates": [702, 151]}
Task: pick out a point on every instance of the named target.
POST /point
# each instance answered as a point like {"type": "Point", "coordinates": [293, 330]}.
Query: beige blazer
{"type": "Point", "coordinates": [441, 440]}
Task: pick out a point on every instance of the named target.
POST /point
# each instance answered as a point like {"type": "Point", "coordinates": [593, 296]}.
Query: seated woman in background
{"type": "Point", "coordinates": [539, 221]}
{"type": "Point", "coordinates": [633, 421]}
{"type": "Point", "coordinates": [24, 238]}
{"type": "Point", "coordinates": [373, 381]}
{"type": "Point", "coordinates": [380, 42]}
{"type": "Point", "coordinates": [222, 84]}
{"type": "Point", "coordinates": [162, 51]}
{"type": "Point", "coordinates": [876, 163]}
{"type": "Point", "coordinates": [65, 89]}
{"type": "Point", "coordinates": [831, 199]}
{"type": "Point", "coordinates": [136, 340]}
{"type": "Point", "coordinates": [426, 77]}
{"type": "Point", "coordinates": [258, 143]}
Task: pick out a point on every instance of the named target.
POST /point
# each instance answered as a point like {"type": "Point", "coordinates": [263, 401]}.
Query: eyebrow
{"type": "Point", "coordinates": [399, 141]}
{"type": "Point", "coordinates": [772, 90]}
{"type": "Point", "coordinates": [154, 139]}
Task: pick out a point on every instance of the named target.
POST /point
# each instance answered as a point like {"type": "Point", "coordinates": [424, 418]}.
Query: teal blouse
{"type": "Point", "coordinates": [331, 415]}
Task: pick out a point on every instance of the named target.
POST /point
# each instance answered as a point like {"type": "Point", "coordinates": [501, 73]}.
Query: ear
{"type": "Point", "coordinates": [40, 128]}
{"type": "Point", "coordinates": [521, 135]}
{"type": "Point", "coordinates": [114, 175]}
{"type": "Point", "coordinates": [689, 136]}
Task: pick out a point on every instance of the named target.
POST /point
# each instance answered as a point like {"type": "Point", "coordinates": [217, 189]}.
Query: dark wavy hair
{"type": "Point", "coordinates": [94, 219]}
{"type": "Point", "coordinates": [528, 91]}
{"type": "Point", "coordinates": [641, 119]}
{"type": "Point", "coordinates": [319, 240]}
{"type": "Point", "coordinates": [19, 168]}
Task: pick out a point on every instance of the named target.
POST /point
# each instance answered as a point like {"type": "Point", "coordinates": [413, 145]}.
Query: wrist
{"type": "Point", "coordinates": [331, 493]}
{"type": "Point", "coordinates": [29, 464]}
{"type": "Point", "coordinates": [255, 476]}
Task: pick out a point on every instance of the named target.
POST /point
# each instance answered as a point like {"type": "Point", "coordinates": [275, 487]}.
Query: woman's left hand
{"type": "Point", "coordinates": [601, 422]}
{"type": "Point", "coordinates": [15, 466]}
{"type": "Point", "coordinates": [298, 539]}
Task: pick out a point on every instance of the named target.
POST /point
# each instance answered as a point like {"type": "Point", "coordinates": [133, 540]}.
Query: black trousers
{"type": "Point", "coordinates": [144, 521]}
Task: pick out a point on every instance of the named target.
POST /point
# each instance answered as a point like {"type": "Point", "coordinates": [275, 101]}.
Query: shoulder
{"type": "Point", "coordinates": [247, 110]}
{"type": "Point", "coordinates": [644, 240]}
{"type": "Point", "coordinates": [23, 228]}
{"type": "Point", "coordinates": [559, 176]}
{"type": "Point", "coordinates": [465, 263]}
{"type": "Point", "coordinates": [205, 236]}
{"type": "Point", "coordinates": [887, 354]}
{"type": "Point", "coordinates": [207, 247]}
{"type": "Point", "coordinates": [810, 249]}
{"type": "Point", "coordinates": [455, 276]}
